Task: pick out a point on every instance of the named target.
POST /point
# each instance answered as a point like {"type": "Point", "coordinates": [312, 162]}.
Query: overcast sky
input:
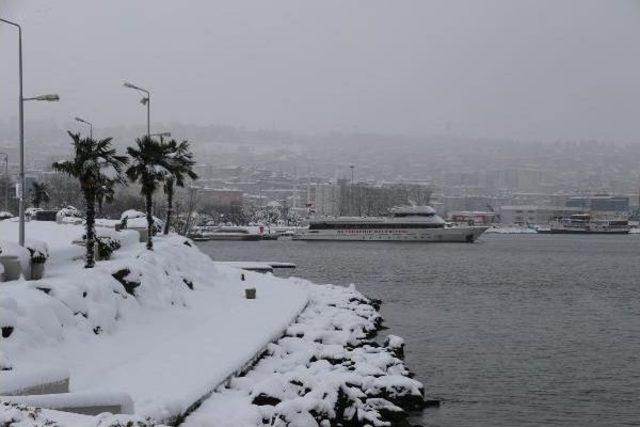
{"type": "Point", "coordinates": [538, 69]}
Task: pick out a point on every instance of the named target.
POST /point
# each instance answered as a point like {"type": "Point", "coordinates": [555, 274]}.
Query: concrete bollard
{"type": "Point", "coordinates": [143, 232]}
{"type": "Point", "coordinates": [12, 267]}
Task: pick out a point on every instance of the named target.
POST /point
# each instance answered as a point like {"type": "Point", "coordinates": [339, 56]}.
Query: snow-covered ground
{"type": "Point", "coordinates": [325, 371]}
{"type": "Point", "coordinates": [12, 414]}
{"type": "Point", "coordinates": [169, 327]}
{"type": "Point", "coordinates": [158, 340]}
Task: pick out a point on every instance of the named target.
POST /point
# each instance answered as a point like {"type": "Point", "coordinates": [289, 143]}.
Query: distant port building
{"type": "Point", "coordinates": [221, 197]}
{"type": "Point", "coordinates": [531, 214]}
{"type": "Point", "coordinates": [472, 217]}
{"type": "Point", "coordinates": [600, 203]}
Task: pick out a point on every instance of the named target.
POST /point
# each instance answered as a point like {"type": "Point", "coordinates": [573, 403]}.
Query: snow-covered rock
{"type": "Point", "coordinates": [325, 371]}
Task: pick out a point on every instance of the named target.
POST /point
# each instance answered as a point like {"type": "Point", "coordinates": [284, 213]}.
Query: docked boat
{"type": "Point", "coordinates": [585, 224]}
{"type": "Point", "coordinates": [225, 233]}
{"type": "Point", "coordinates": [404, 223]}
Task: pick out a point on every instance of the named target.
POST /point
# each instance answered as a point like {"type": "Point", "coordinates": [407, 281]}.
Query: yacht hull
{"type": "Point", "coordinates": [564, 231]}
{"type": "Point", "coordinates": [435, 235]}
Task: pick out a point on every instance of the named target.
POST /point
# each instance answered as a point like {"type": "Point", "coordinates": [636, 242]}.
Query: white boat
{"type": "Point", "coordinates": [225, 233]}
{"type": "Point", "coordinates": [405, 223]}
{"type": "Point", "coordinates": [585, 224]}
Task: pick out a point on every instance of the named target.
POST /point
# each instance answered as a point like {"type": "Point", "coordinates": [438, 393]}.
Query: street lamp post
{"type": "Point", "coordinates": [21, 100]}
{"type": "Point", "coordinates": [144, 101]}
{"type": "Point", "coordinates": [78, 119]}
{"type": "Point", "coordinates": [6, 182]}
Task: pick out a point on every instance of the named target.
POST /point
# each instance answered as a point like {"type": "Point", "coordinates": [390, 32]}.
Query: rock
{"type": "Point", "coordinates": [395, 345]}
{"type": "Point", "coordinates": [7, 331]}
{"type": "Point", "coordinates": [432, 403]}
{"type": "Point", "coordinates": [263, 399]}
{"type": "Point", "coordinates": [129, 286]}
{"type": "Point", "coordinates": [188, 282]}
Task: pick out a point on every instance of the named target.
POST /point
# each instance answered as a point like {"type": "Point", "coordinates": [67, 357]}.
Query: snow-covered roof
{"type": "Point", "coordinates": [132, 213]}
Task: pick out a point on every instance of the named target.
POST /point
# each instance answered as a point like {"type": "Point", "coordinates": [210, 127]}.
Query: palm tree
{"type": "Point", "coordinates": [181, 166]}
{"type": "Point", "coordinates": [91, 160]}
{"type": "Point", "coordinates": [150, 166]}
{"type": "Point", "coordinates": [105, 193]}
{"type": "Point", "coordinates": [39, 193]}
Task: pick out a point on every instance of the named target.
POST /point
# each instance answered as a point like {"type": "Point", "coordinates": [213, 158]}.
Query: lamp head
{"type": "Point", "coordinates": [50, 97]}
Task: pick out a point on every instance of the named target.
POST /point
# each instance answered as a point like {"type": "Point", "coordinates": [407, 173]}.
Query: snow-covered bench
{"type": "Point", "coordinates": [80, 403]}
{"type": "Point", "coordinates": [29, 381]}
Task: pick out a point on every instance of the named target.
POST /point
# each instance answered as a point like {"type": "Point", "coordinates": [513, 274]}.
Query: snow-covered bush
{"type": "Point", "coordinates": [106, 247]}
{"type": "Point", "coordinates": [68, 214]}
{"type": "Point", "coordinates": [136, 219]}
{"type": "Point", "coordinates": [130, 281]}
{"type": "Point", "coordinates": [31, 212]}
{"type": "Point", "coordinates": [38, 250]}
{"type": "Point", "coordinates": [131, 214]}
{"type": "Point", "coordinates": [5, 215]}
{"type": "Point", "coordinates": [91, 301]}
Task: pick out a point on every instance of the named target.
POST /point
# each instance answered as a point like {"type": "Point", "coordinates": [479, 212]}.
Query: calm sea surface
{"type": "Point", "coordinates": [512, 330]}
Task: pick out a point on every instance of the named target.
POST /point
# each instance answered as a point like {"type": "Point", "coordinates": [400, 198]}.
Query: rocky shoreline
{"type": "Point", "coordinates": [327, 370]}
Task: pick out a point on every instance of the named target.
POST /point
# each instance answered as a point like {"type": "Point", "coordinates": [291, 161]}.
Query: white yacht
{"type": "Point", "coordinates": [224, 233]}
{"type": "Point", "coordinates": [405, 223]}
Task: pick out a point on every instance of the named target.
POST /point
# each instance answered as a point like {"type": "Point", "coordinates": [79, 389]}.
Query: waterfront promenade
{"type": "Point", "coordinates": [167, 346]}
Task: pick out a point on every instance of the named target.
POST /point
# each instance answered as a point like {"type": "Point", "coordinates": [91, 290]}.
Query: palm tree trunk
{"type": "Point", "coordinates": [149, 206]}
{"type": "Point", "coordinates": [90, 228]}
{"type": "Point", "coordinates": [167, 224]}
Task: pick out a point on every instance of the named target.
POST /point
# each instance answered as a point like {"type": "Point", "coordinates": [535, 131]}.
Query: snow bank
{"type": "Point", "coordinates": [137, 219]}
{"type": "Point", "coordinates": [15, 414]}
{"type": "Point", "coordinates": [325, 371]}
{"type": "Point", "coordinates": [166, 326]}
{"type": "Point", "coordinates": [81, 402]}
{"type": "Point", "coordinates": [13, 383]}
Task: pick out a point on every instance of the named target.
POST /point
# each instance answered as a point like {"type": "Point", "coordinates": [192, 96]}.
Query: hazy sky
{"type": "Point", "coordinates": [537, 69]}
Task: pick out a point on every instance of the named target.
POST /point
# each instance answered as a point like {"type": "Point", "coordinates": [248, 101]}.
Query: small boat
{"type": "Point", "coordinates": [226, 233]}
